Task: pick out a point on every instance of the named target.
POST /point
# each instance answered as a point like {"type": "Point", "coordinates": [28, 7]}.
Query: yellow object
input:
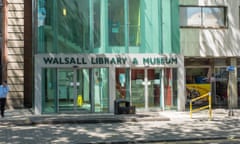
{"type": "Point", "coordinates": [209, 106]}
{"type": "Point", "coordinates": [196, 90]}
{"type": "Point", "coordinates": [64, 11]}
{"type": "Point", "coordinates": [79, 100]}
{"type": "Point", "coordinates": [201, 88]}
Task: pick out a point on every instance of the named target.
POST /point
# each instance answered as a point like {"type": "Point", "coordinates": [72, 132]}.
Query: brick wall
{"type": "Point", "coordinates": [14, 51]}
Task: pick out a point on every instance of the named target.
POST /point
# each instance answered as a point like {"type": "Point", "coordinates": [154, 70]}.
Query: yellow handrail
{"type": "Point", "coordinates": [203, 107]}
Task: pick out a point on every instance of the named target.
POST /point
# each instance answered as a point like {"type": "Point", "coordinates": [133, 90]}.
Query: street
{"type": "Point", "coordinates": [219, 141]}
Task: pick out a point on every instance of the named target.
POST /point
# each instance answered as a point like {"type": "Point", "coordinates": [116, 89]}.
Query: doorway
{"type": "Point", "coordinates": [71, 90]}
{"type": "Point", "coordinates": [148, 88]}
{"type": "Point", "coordinates": [220, 87]}
{"type": "Point", "coordinates": [197, 84]}
{"type": "Point", "coordinates": [74, 90]}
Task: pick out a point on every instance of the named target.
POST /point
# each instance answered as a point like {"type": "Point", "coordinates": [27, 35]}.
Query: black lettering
{"type": "Point", "coordinates": [48, 60]}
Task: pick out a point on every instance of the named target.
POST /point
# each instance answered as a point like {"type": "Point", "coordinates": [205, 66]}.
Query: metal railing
{"type": "Point", "coordinates": [209, 106]}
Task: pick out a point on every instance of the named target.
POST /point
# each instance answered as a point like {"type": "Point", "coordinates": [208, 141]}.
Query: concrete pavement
{"type": "Point", "coordinates": [175, 126]}
{"type": "Point", "coordinates": [27, 117]}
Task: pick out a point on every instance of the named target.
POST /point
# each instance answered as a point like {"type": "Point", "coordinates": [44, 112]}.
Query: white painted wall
{"type": "Point", "coordinates": [213, 42]}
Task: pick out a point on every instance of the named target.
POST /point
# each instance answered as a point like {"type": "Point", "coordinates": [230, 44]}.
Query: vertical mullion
{"type": "Point", "coordinates": [126, 25]}
{"type": "Point", "coordinates": [91, 27]}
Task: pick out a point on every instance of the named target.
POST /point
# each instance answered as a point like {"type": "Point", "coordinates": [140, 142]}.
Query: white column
{"type": "Point", "coordinates": [146, 87]}
{"type": "Point", "coordinates": [38, 88]}
{"type": "Point", "coordinates": [112, 88]}
{"type": "Point", "coordinates": [232, 85]}
{"type": "Point", "coordinates": [181, 84]}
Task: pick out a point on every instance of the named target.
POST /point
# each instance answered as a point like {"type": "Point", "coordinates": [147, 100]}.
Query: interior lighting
{"type": "Point", "coordinates": [64, 11]}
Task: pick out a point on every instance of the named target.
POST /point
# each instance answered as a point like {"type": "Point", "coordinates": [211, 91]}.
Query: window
{"type": "Point", "coordinates": [203, 17]}
{"type": "Point", "coordinates": [69, 26]}
{"type": "Point", "coordinates": [118, 27]}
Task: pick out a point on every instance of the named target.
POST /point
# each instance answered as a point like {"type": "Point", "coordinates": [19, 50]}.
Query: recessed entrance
{"type": "Point", "coordinates": [148, 88]}
{"type": "Point", "coordinates": [82, 90]}
{"type": "Point", "coordinates": [74, 90]}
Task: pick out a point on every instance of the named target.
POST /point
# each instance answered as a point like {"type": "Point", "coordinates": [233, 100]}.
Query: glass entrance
{"type": "Point", "coordinates": [220, 87]}
{"type": "Point", "coordinates": [197, 84]}
{"type": "Point", "coordinates": [138, 97]}
{"type": "Point", "coordinates": [154, 77]}
{"type": "Point", "coordinates": [151, 89]}
{"type": "Point", "coordinates": [73, 90]}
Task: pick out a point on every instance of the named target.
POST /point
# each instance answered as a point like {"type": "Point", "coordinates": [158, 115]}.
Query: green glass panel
{"type": "Point", "coordinates": [122, 83]}
{"type": "Point", "coordinates": [137, 88]}
{"type": "Point", "coordinates": [154, 87]}
{"type": "Point", "coordinates": [134, 23]}
{"type": "Point", "coordinates": [113, 26]}
{"type": "Point", "coordinates": [68, 26]}
{"type": "Point", "coordinates": [101, 85]}
{"type": "Point", "coordinates": [116, 23]}
{"type": "Point", "coordinates": [74, 90]}
{"type": "Point", "coordinates": [49, 92]}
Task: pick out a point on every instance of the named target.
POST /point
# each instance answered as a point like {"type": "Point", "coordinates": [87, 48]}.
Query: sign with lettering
{"type": "Point", "coordinates": [108, 59]}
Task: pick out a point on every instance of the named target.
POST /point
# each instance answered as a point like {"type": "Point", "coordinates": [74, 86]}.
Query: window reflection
{"type": "Point", "coordinates": [190, 16]}
{"type": "Point", "coordinates": [203, 16]}
{"type": "Point", "coordinates": [68, 26]}
{"type": "Point", "coordinates": [116, 22]}
{"type": "Point", "coordinates": [213, 17]}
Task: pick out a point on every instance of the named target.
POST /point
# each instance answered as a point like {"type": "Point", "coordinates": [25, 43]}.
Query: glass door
{"type": "Point", "coordinates": [82, 90]}
{"type": "Point", "coordinates": [154, 77]}
{"type": "Point", "coordinates": [138, 88]}
{"type": "Point", "coordinates": [74, 90]}
{"type": "Point", "coordinates": [148, 88]}
{"type": "Point", "coordinates": [99, 89]}
{"type": "Point", "coordinates": [162, 88]}
{"type": "Point", "coordinates": [220, 87]}
{"type": "Point", "coordinates": [197, 84]}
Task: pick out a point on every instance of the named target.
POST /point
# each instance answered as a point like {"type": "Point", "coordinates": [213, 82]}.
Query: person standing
{"type": "Point", "coordinates": [4, 89]}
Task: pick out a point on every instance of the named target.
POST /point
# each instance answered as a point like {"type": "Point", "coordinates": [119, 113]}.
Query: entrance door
{"type": "Point", "coordinates": [74, 90]}
{"type": "Point", "coordinates": [197, 84]}
{"type": "Point", "coordinates": [151, 88]}
{"type": "Point", "coordinates": [220, 87]}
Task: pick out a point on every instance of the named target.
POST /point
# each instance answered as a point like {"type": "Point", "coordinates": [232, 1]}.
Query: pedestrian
{"type": "Point", "coordinates": [4, 89]}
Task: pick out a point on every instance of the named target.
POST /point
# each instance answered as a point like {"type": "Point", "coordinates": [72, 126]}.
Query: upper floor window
{"type": "Point", "coordinates": [124, 21]}
{"type": "Point", "coordinates": [203, 17]}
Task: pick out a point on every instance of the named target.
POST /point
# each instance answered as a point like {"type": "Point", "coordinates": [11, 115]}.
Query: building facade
{"type": "Point", "coordinates": [88, 53]}
{"type": "Point", "coordinates": [12, 39]}
{"type": "Point", "coordinates": [82, 55]}
{"type": "Point", "coordinates": [210, 44]}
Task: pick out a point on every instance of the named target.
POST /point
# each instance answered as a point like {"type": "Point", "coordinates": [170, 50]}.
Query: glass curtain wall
{"type": "Point", "coordinates": [68, 26]}
{"type": "Point", "coordinates": [124, 22]}
{"type": "Point", "coordinates": [111, 26]}
{"type": "Point", "coordinates": [49, 91]}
